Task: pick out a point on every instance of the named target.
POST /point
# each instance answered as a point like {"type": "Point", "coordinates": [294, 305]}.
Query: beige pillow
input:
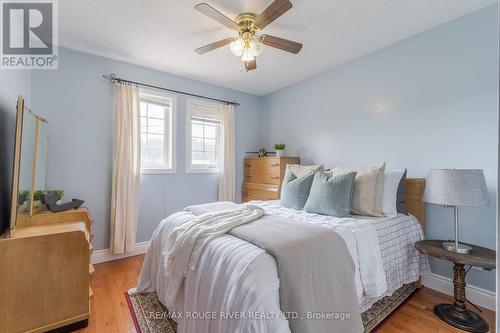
{"type": "Point", "coordinates": [302, 170]}
{"type": "Point", "coordinates": [368, 188]}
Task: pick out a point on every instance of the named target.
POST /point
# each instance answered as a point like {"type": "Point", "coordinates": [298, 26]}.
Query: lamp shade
{"type": "Point", "coordinates": [456, 187]}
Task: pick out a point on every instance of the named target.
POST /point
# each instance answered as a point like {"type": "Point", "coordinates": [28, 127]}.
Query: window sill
{"type": "Point", "coordinates": [211, 170]}
{"type": "Point", "coordinates": [157, 171]}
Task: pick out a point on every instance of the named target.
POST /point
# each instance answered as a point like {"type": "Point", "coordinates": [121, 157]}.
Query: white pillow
{"type": "Point", "coordinates": [368, 188]}
{"type": "Point", "coordinates": [389, 197]}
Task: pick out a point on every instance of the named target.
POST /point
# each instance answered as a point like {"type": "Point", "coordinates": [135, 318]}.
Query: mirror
{"type": "Point", "coordinates": [30, 160]}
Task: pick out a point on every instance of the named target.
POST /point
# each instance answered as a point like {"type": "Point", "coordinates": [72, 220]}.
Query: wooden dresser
{"type": "Point", "coordinates": [45, 270]}
{"type": "Point", "coordinates": [263, 177]}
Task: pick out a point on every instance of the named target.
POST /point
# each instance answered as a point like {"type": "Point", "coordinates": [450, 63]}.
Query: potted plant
{"type": "Point", "coordinates": [280, 149]}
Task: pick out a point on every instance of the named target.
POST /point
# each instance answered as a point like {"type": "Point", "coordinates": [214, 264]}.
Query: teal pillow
{"type": "Point", "coordinates": [294, 191]}
{"type": "Point", "coordinates": [331, 195]}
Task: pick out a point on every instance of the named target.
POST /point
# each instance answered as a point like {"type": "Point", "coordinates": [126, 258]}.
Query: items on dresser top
{"type": "Point", "coordinates": [50, 201]}
{"type": "Point", "coordinates": [263, 177]}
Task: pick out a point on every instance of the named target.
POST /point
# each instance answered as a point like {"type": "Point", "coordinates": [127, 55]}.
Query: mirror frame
{"type": "Point", "coordinates": [21, 110]}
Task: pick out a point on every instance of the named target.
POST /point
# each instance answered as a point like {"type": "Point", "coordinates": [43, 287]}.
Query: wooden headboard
{"type": "Point", "coordinates": [415, 198]}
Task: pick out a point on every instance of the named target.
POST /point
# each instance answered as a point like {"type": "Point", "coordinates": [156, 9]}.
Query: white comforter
{"type": "Point", "coordinates": [235, 280]}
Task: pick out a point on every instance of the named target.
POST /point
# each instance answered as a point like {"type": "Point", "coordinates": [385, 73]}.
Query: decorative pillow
{"type": "Point", "coordinates": [392, 183]}
{"type": "Point", "coordinates": [303, 170]}
{"type": "Point", "coordinates": [368, 188]}
{"type": "Point", "coordinates": [294, 190]}
{"type": "Point", "coordinates": [331, 195]}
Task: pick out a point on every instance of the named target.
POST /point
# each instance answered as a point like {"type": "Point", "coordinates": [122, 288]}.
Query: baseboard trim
{"type": "Point", "coordinates": [106, 255]}
{"type": "Point", "coordinates": [476, 295]}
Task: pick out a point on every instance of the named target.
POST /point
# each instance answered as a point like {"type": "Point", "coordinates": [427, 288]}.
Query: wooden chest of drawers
{"type": "Point", "coordinates": [46, 265]}
{"type": "Point", "coordinates": [263, 177]}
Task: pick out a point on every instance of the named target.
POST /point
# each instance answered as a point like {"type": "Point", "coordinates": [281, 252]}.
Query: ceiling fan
{"type": "Point", "coordinates": [249, 43]}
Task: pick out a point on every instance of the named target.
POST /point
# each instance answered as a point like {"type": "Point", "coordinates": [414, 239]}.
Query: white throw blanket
{"type": "Point", "coordinates": [186, 242]}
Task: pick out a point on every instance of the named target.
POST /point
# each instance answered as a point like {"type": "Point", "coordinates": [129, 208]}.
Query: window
{"type": "Point", "coordinates": [203, 136]}
{"type": "Point", "coordinates": [157, 132]}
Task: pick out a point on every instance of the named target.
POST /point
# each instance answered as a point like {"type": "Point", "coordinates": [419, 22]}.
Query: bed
{"type": "Point", "coordinates": [233, 276]}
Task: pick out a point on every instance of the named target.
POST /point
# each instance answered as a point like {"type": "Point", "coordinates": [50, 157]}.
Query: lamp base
{"type": "Point", "coordinates": [465, 320]}
{"type": "Point", "coordinates": [462, 248]}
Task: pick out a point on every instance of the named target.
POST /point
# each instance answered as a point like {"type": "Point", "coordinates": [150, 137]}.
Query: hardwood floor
{"type": "Point", "coordinates": [109, 312]}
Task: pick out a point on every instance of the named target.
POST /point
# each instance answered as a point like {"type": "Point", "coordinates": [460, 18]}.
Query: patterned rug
{"type": "Point", "coordinates": [150, 316]}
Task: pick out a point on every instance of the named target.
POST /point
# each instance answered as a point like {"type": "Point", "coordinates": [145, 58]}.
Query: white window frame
{"type": "Point", "coordinates": [189, 166]}
{"type": "Point", "coordinates": [173, 133]}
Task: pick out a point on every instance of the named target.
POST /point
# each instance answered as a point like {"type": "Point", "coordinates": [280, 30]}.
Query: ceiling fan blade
{"type": "Point", "coordinates": [282, 44]}
{"type": "Point", "coordinates": [213, 13]}
{"type": "Point", "coordinates": [250, 65]}
{"type": "Point", "coordinates": [272, 12]}
{"type": "Point", "coordinates": [213, 46]}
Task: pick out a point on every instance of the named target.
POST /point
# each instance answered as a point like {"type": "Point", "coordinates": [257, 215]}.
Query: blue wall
{"type": "Point", "coordinates": [78, 103]}
{"type": "Point", "coordinates": [427, 102]}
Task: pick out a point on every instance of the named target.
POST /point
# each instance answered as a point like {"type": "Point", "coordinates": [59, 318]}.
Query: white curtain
{"type": "Point", "coordinates": [227, 168]}
{"type": "Point", "coordinates": [126, 169]}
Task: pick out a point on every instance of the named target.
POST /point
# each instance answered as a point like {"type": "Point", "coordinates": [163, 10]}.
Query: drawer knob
{"type": "Point", "coordinates": [275, 165]}
{"type": "Point", "coordinates": [275, 177]}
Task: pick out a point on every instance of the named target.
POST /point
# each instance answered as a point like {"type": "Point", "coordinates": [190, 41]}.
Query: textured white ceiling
{"type": "Point", "coordinates": [162, 34]}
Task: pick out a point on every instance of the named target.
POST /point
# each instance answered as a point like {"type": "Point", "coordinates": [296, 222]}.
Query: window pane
{"type": "Point", "coordinates": [210, 131]}
{"type": "Point", "coordinates": [154, 157]}
{"type": "Point", "coordinates": [210, 145]}
{"type": "Point", "coordinates": [197, 158]}
{"type": "Point", "coordinates": [144, 147]}
{"type": "Point", "coordinates": [155, 141]}
{"type": "Point", "coordinates": [210, 158]}
{"type": "Point", "coordinates": [144, 109]}
{"type": "Point", "coordinates": [197, 129]}
{"type": "Point", "coordinates": [205, 136]}
{"type": "Point", "coordinates": [156, 126]}
{"type": "Point", "coordinates": [197, 144]}
{"type": "Point", "coordinates": [156, 111]}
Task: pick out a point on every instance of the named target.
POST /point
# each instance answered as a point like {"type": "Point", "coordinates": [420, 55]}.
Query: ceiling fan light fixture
{"type": "Point", "coordinates": [249, 43]}
{"type": "Point", "coordinates": [247, 55]}
{"type": "Point", "coordinates": [256, 46]}
{"type": "Point", "coordinates": [237, 47]}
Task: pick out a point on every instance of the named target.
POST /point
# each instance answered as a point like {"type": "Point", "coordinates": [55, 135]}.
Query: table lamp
{"type": "Point", "coordinates": [456, 188]}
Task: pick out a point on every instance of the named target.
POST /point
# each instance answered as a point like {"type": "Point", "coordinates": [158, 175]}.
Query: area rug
{"type": "Point", "coordinates": [150, 316]}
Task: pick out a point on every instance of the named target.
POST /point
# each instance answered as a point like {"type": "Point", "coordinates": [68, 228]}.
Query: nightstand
{"type": "Point", "coordinates": [457, 314]}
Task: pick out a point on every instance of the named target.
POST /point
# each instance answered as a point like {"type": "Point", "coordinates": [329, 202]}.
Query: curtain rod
{"type": "Point", "coordinates": [113, 78]}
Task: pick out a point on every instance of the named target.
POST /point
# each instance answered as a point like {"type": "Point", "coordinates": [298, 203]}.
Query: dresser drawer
{"type": "Point", "coordinates": [263, 170]}
{"type": "Point", "coordinates": [256, 191]}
